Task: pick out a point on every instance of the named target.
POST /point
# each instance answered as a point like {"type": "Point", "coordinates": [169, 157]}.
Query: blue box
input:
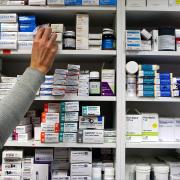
{"type": "Point", "coordinates": [73, 2]}
{"type": "Point", "coordinates": [107, 2]}
{"type": "Point", "coordinates": [27, 19]}
{"type": "Point", "coordinates": [27, 27]}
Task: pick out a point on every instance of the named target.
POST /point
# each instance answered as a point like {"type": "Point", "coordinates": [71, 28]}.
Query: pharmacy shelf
{"type": "Point", "coordinates": [32, 143]}
{"type": "Point", "coordinates": [76, 98]}
{"type": "Point", "coordinates": [65, 54]}
{"type": "Point", "coordinates": [153, 145]}
{"type": "Point", "coordinates": [149, 99]}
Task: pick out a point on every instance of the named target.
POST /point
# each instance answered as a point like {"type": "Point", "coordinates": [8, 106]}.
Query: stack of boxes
{"type": "Point", "coordinates": [81, 164]}
{"type": "Point", "coordinates": [153, 84]}
{"type": "Point", "coordinates": [59, 84]}
{"type": "Point", "coordinates": [72, 80]}
{"type": "Point", "coordinates": [69, 118]}
{"type": "Point", "coordinates": [58, 29]}
{"type": "Point", "coordinates": [176, 86]}
{"type": "Point", "coordinates": [6, 84]}
{"type": "Point", "coordinates": [82, 31]}
{"type": "Point", "coordinates": [12, 164]}
{"type": "Point", "coordinates": [27, 165]}
{"type": "Point", "coordinates": [60, 166]}
{"type": "Point", "coordinates": [95, 41]}
{"type": "Point", "coordinates": [47, 86]}
{"type": "Point", "coordinates": [50, 125]}
{"type": "Point", "coordinates": [91, 126]}
{"type": "Point", "coordinates": [108, 82]}
{"type": "Point", "coordinates": [83, 89]}
{"type": "Point", "coordinates": [8, 29]}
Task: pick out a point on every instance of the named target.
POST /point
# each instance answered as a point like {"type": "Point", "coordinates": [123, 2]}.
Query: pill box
{"type": "Point", "coordinates": [52, 107]}
{"type": "Point", "coordinates": [6, 85]}
{"type": "Point", "coordinates": [80, 156]}
{"type": "Point", "coordinates": [8, 18]}
{"type": "Point", "coordinates": [8, 79]}
{"type": "Point", "coordinates": [147, 73]}
{"type": "Point", "coordinates": [58, 28]}
{"type": "Point", "coordinates": [68, 127]}
{"type": "Point", "coordinates": [25, 36]}
{"type": "Point", "coordinates": [109, 133]}
{"type": "Point", "coordinates": [11, 177]}
{"type": "Point", "coordinates": [15, 3]}
{"type": "Point", "coordinates": [15, 172]}
{"type": "Point", "coordinates": [93, 136]}
{"type": "Point", "coordinates": [43, 155]}
{"type": "Point", "coordinates": [50, 117]}
{"type": "Point", "coordinates": [9, 27]}
{"type": "Point", "coordinates": [96, 122]}
{"type": "Point", "coordinates": [47, 137]}
{"type": "Point", "coordinates": [154, 81]}
{"type": "Point", "coordinates": [81, 177]}
{"type": "Point", "coordinates": [12, 154]}
{"type": "Point", "coordinates": [60, 165]}
{"type": "Point", "coordinates": [90, 2]}
{"type": "Point", "coordinates": [69, 106]}
{"type": "Point", "coordinates": [25, 45]}
{"type": "Point", "coordinates": [154, 87]}
{"type": "Point", "coordinates": [37, 133]}
{"type": "Point", "coordinates": [37, 2]}
{"type": "Point", "coordinates": [91, 111]}
{"type": "Point", "coordinates": [69, 116]}
{"type": "Point", "coordinates": [107, 2]}
{"type": "Point", "coordinates": [68, 137]}
{"type": "Point", "coordinates": [109, 139]}
{"type": "Point", "coordinates": [61, 153]}
{"type": "Point", "coordinates": [8, 44]}
{"type": "Point", "coordinates": [23, 129]}
{"type": "Point", "coordinates": [83, 169]}
{"type": "Point", "coordinates": [8, 36]}
{"type": "Point", "coordinates": [53, 128]}
{"type": "Point", "coordinates": [24, 136]}
{"type": "Point", "coordinates": [147, 67]}
{"type": "Point", "coordinates": [55, 2]}
{"type": "Point", "coordinates": [10, 166]}
{"type": "Point", "coordinates": [73, 2]}
{"type": "Point", "coordinates": [27, 27]}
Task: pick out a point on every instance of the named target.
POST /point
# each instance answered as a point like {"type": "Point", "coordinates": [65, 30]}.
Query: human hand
{"type": "Point", "coordinates": [44, 50]}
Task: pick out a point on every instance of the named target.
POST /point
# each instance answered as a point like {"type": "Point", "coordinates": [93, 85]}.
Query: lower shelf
{"type": "Point", "coordinates": [32, 143]}
{"type": "Point", "coordinates": [153, 145]}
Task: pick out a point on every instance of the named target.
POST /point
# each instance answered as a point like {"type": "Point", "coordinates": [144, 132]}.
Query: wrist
{"type": "Point", "coordinates": [42, 70]}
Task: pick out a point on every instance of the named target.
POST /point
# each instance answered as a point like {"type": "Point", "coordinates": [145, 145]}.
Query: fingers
{"type": "Point", "coordinates": [53, 38]}
{"type": "Point", "coordinates": [39, 33]}
{"type": "Point", "coordinates": [47, 34]}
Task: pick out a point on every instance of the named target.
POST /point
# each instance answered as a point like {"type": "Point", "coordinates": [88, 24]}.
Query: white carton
{"type": "Point", "coordinates": [8, 79]}
{"type": "Point", "coordinates": [133, 128]}
{"type": "Point", "coordinates": [95, 36]}
{"type": "Point", "coordinates": [93, 136]}
{"type": "Point", "coordinates": [25, 45]}
{"type": "Point", "coordinates": [8, 18]}
{"type": "Point", "coordinates": [15, 172]}
{"type": "Point", "coordinates": [50, 127]}
{"type": "Point", "coordinates": [91, 111]}
{"type": "Point", "coordinates": [10, 177]}
{"type": "Point", "coordinates": [58, 28]}
{"type": "Point", "coordinates": [9, 27]}
{"type": "Point", "coordinates": [8, 36]}
{"type": "Point", "coordinates": [81, 178]}
{"type": "Point", "coordinates": [81, 169]}
{"type": "Point", "coordinates": [60, 164]}
{"type": "Point", "coordinates": [37, 133]}
{"type": "Point", "coordinates": [25, 36]}
{"type": "Point", "coordinates": [11, 166]}
{"type": "Point", "coordinates": [90, 2]}
{"type": "Point", "coordinates": [155, 3]}
{"type": "Point", "coordinates": [69, 127]}
{"type": "Point", "coordinates": [135, 3]}
{"type": "Point", "coordinates": [40, 170]}
{"type": "Point", "coordinates": [48, 137]}
{"type": "Point", "coordinates": [150, 127]}
{"type": "Point", "coordinates": [37, 2]}
{"type": "Point", "coordinates": [177, 129]}
{"type": "Point", "coordinates": [12, 154]}
{"type": "Point", "coordinates": [68, 137]}
{"type": "Point", "coordinates": [43, 155]}
{"type": "Point", "coordinates": [24, 136]}
{"type": "Point", "coordinates": [69, 106]}
{"type": "Point", "coordinates": [8, 44]}
{"type": "Point", "coordinates": [69, 117]}
{"type": "Point", "coordinates": [81, 156]}
{"type": "Point", "coordinates": [50, 117]}
{"type": "Point", "coordinates": [24, 129]}
{"type": "Point", "coordinates": [166, 129]}
{"type": "Point", "coordinates": [55, 2]}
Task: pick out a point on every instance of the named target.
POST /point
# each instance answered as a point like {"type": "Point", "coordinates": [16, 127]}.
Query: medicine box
{"type": "Point", "coordinates": [69, 116]}
{"type": "Point", "coordinates": [42, 170]}
{"type": "Point", "coordinates": [12, 154]}
{"type": "Point", "coordinates": [109, 139]}
{"type": "Point", "coordinates": [23, 129]}
{"type": "Point", "coordinates": [91, 111]}
{"type": "Point", "coordinates": [37, 133]}
{"type": "Point", "coordinates": [52, 107]}
{"type": "Point", "coordinates": [9, 27]}
{"type": "Point", "coordinates": [11, 166]}
{"type": "Point", "coordinates": [8, 18]}
{"type": "Point", "coordinates": [50, 117]}
{"type": "Point", "coordinates": [8, 36]}
{"type": "Point", "coordinates": [81, 169]}
{"type": "Point", "coordinates": [24, 136]}
{"type": "Point", "coordinates": [25, 36]}
{"type": "Point", "coordinates": [69, 106]}
{"type": "Point", "coordinates": [90, 2]}
{"type": "Point", "coordinates": [109, 133]}
{"type": "Point", "coordinates": [135, 3]}
{"type": "Point", "coordinates": [11, 177]}
{"type": "Point", "coordinates": [58, 28]}
{"type": "Point", "coordinates": [107, 2]}
{"type": "Point", "coordinates": [93, 136]}
{"type": "Point", "coordinates": [60, 164]}
{"type": "Point", "coordinates": [25, 45]}
{"type": "Point", "coordinates": [73, 2]}
{"type": "Point", "coordinates": [61, 153]}
{"type": "Point", "coordinates": [69, 127]}
{"type": "Point", "coordinates": [80, 156]}
{"type": "Point", "coordinates": [133, 128]}
{"type": "Point", "coordinates": [150, 127]}
{"type": "Point", "coordinates": [155, 3]}
{"type": "Point", "coordinates": [55, 2]}
{"type": "Point", "coordinates": [37, 2]}
{"type": "Point", "coordinates": [166, 129]}
{"type": "Point", "coordinates": [177, 129]}
{"type": "Point", "coordinates": [81, 177]}
{"type": "Point", "coordinates": [174, 2]}
{"type": "Point", "coordinates": [50, 127]}
{"type": "Point", "coordinates": [43, 155]}
{"type": "Point", "coordinates": [48, 137]}
{"type": "Point", "coordinates": [8, 44]}
{"type": "Point", "coordinates": [96, 122]}
{"type": "Point", "coordinates": [68, 137]}
{"type": "Point", "coordinates": [14, 172]}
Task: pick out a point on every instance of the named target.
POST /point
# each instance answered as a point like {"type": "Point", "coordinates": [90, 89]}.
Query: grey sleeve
{"type": "Point", "coordinates": [14, 106]}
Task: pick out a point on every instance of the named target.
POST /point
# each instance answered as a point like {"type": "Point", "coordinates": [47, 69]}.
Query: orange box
{"type": "Point", "coordinates": [50, 117]}
{"type": "Point", "coordinates": [49, 137]}
{"type": "Point", "coordinates": [53, 128]}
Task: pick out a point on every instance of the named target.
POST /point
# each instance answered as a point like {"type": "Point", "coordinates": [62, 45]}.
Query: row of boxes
{"type": "Point", "coordinates": [152, 3]}
{"type": "Point", "coordinates": [60, 2]}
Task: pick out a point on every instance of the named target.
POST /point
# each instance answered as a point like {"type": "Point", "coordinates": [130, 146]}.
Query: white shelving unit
{"type": "Point", "coordinates": [100, 17]}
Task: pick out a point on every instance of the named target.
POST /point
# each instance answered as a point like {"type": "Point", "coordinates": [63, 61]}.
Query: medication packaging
{"type": "Point", "coordinates": [81, 156]}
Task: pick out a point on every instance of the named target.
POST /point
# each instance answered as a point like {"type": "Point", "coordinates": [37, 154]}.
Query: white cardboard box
{"type": "Point", "coordinates": [40, 171]}
{"type": "Point", "coordinates": [156, 3]}
{"type": "Point", "coordinates": [81, 156]}
{"type": "Point", "coordinates": [81, 169]}
{"type": "Point", "coordinates": [135, 3]}
{"type": "Point", "coordinates": [44, 155]}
